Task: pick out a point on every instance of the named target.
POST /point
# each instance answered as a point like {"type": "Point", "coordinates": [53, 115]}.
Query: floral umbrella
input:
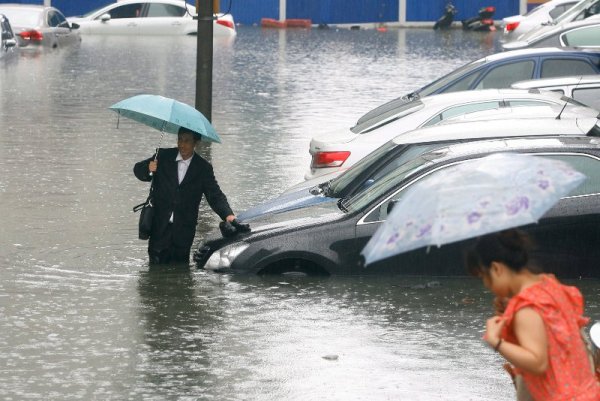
{"type": "Point", "coordinates": [473, 198]}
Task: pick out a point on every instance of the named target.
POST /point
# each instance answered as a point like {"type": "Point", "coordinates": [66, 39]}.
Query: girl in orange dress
{"type": "Point", "coordinates": [539, 332]}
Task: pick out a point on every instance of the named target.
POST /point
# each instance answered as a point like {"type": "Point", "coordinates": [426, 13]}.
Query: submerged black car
{"type": "Point", "coordinates": [327, 238]}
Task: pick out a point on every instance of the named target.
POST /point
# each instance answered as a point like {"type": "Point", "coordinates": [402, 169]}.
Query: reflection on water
{"type": "Point", "coordinates": [83, 316]}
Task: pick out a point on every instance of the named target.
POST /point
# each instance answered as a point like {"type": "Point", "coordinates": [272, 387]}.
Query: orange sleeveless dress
{"type": "Point", "coordinates": [569, 376]}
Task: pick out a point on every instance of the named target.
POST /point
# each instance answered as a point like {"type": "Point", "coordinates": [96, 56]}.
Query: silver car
{"type": "Point", "coordinates": [582, 10]}
{"type": "Point", "coordinates": [40, 27]}
{"type": "Point", "coordinates": [580, 34]}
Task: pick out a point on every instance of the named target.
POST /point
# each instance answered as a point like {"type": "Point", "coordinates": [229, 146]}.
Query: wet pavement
{"type": "Point", "coordinates": [82, 315]}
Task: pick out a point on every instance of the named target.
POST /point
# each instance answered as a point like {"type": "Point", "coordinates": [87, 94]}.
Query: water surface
{"type": "Point", "coordinates": [82, 315]}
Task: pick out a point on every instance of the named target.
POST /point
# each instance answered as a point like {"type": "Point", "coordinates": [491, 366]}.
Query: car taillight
{"type": "Point", "coordinates": [329, 159]}
{"type": "Point", "coordinates": [511, 26]}
{"type": "Point", "coordinates": [225, 22]}
{"type": "Point", "coordinates": [32, 35]}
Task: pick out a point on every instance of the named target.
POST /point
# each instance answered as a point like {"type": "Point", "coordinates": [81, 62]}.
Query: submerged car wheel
{"type": "Point", "coordinates": [293, 267]}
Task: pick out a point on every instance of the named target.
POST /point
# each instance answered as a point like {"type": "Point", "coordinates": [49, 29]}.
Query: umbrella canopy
{"type": "Point", "coordinates": [477, 197]}
{"type": "Point", "coordinates": [167, 115]}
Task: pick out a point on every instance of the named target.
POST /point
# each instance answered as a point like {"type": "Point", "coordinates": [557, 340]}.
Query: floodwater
{"type": "Point", "coordinates": [83, 317]}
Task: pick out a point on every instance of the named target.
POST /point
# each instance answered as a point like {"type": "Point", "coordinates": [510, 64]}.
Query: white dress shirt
{"type": "Point", "coordinates": [182, 167]}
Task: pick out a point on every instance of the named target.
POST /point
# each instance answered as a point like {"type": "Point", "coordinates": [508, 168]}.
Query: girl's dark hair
{"type": "Point", "coordinates": [511, 247]}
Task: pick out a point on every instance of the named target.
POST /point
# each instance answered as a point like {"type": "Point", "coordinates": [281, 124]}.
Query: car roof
{"type": "Point", "coordinates": [399, 109]}
{"type": "Point", "coordinates": [396, 107]}
{"type": "Point", "coordinates": [484, 94]}
{"type": "Point", "coordinates": [539, 52]}
{"type": "Point", "coordinates": [542, 143]}
{"type": "Point", "coordinates": [558, 81]}
{"type": "Point", "coordinates": [498, 128]}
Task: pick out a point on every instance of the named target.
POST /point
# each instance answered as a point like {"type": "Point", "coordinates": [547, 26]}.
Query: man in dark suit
{"type": "Point", "coordinates": [180, 178]}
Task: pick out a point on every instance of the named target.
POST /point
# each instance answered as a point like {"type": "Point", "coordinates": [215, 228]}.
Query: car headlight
{"type": "Point", "coordinates": [222, 258]}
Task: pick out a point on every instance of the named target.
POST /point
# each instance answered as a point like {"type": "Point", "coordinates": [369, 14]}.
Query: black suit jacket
{"type": "Point", "coordinates": [183, 200]}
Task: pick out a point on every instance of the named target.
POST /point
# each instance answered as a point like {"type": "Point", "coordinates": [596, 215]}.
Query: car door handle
{"type": "Point", "coordinates": [132, 24]}
{"type": "Point", "coordinates": [176, 23]}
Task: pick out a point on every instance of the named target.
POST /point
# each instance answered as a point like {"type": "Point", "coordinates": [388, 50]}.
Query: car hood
{"type": "Point", "coordinates": [269, 224]}
{"type": "Point", "coordinates": [286, 202]}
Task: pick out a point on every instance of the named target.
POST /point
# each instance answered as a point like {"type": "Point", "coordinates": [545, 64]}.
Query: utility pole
{"type": "Point", "coordinates": [204, 57]}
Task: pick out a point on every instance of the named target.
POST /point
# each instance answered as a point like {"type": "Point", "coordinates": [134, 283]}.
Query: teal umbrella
{"type": "Point", "coordinates": [166, 115]}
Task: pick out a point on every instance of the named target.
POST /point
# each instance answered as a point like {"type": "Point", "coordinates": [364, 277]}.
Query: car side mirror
{"type": "Point", "coordinates": [74, 25]}
{"type": "Point", "coordinates": [105, 17]}
{"type": "Point", "coordinates": [390, 206]}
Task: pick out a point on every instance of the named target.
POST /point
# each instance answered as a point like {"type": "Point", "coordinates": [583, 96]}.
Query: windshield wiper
{"type": "Point", "coordinates": [342, 204]}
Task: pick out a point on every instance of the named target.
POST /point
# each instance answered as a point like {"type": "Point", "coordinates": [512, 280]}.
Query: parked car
{"type": "Point", "coordinates": [580, 11]}
{"type": "Point", "coordinates": [344, 184]}
{"type": "Point", "coordinates": [501, 70]}
{"type": "Point", "coordinates": [40, 26]}
{"type": "Point", "coordinates": [580, 34]}
{"type": "Point", "coordinates": [327, 238]}
{"type": "Point", "coordinates": [149, 17]}
{"type": "Point", "coordinates": [585, 89]}
{"type": "Point", "coordinates": [341, 149]}
{"type": "Point", "coordinates": [8, 42]}
{"type": "Point", "coordinates": [516, 25]}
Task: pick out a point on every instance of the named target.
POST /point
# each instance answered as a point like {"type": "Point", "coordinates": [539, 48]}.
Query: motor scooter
{"type": "Point", "coordinates": [445, 20]}
{"type": "Point", "coordinates": [482, 22]}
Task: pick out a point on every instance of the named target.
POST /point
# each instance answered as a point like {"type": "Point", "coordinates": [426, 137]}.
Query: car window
{"type": "Point", "coordinates": [588, 96]}
{"type": "Point", "coordinates": [165, 10]}
{"type": "Point", "coordinates": [505, 75]}
{"type": "Point", "coordinates": [562, 67]}
{"type": "Point", "coordinates": [462, 109]}
{"type": "Point", "coordinates": [380, 213]}
{"type": "Point", "coordinates": [588, 165]}
{"type": "Point", "coordinates": [463, 84]}
{"type": "Point", "coordinates": [55, 18]}
{"type": "Point", "coordinates": [126, 11]}
{"type": "Point", "coordinates": [587, 36]}
{"type": "Point", "coordinates": [435, 86]}
{"type": "Point", "coordinates": [576, 12]}
{"type": "Point", "coordinates": [526, 103]}
{"type": "Point", "coordinates": [558, 10]}
{"type": "Point", "coordinates": [387, 182]}
{"type": "Point", "coordinates": [364, 172]}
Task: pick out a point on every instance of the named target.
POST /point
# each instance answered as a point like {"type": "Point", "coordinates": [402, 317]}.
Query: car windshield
{"type": "Point", "coordinates": [571, 14]}
{"type": "Point", "coordinates": [366, 172]}
{"type": "Point", "coordinates": [385, 114]}
{"type": "Point", "coordinates": [22, 18]}
{"type": "Point", "coordinates": [391, 180]}
{"type": "Point", "coordinates": [445, 80]}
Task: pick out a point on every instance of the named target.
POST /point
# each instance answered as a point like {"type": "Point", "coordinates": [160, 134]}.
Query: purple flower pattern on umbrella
{"type": "Point", "coordinates": [543, 184]}
{"type": "Point", "coordinates": [517, 204]}
{"type": "Point", "coordinates": [426, 229]}
{"type": "Point", "coordinates": [473, 217]}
